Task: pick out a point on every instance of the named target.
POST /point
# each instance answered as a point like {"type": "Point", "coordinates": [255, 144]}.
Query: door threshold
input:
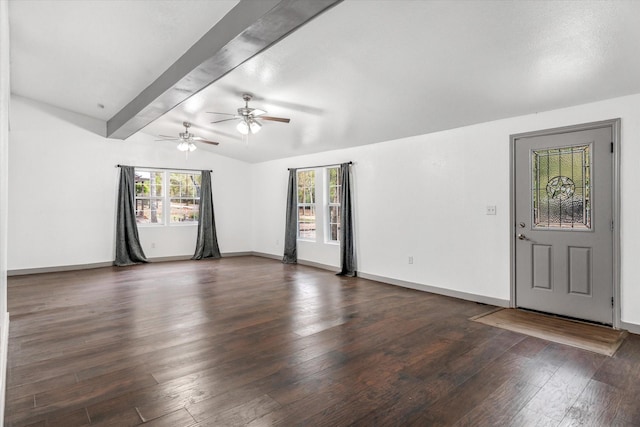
{"type": "Point", "coordinates": [573, 319]}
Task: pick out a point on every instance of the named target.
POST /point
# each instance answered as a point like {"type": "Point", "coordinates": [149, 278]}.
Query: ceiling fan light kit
{"type": "Point", "coordinates": [186, 139]}
{"type": "Point", "coordinates": [187, 146]}
{"type": "Point", "coordinates": [249, 117]}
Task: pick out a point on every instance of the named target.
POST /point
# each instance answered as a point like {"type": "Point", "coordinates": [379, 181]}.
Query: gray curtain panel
{"type": "Point", "coordinates": [128, 248]}
{"type": "Point", "coordinates": [347, 238]}
{"type": "Point", "coordinates": [207, 243]}
{"type": "Point", "coordinates": [291, 226]}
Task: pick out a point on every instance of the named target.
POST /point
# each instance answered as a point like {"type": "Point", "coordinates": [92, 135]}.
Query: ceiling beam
{"type": "Point", "coordinates": [248, 29]}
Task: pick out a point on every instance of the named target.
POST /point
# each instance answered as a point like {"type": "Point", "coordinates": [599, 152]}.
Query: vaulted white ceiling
{"type": "Point", "coordinates": [360, 73]}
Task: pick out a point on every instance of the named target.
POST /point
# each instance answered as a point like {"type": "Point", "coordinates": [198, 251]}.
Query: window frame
{"type": "Point", "coordinates": [166, 198]}
{"type": "Point", "coordinates": [313, 205]}
{"type": "Point", "coordinates": [160, 198]}
{"type": "Point", "coordinates": [329, 204]}
{"type": "Point", "coordinates": [169, 198]}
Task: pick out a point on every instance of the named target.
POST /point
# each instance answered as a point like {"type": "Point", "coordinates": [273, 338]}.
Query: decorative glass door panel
{"type": "Point", "coordinates": [561, 188]}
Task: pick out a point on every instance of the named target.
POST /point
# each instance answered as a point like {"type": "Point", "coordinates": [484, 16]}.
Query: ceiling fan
{"type": "Point", "coordinates": [186, 139]}
{"type": "Point", "coordinates": [249, 117]}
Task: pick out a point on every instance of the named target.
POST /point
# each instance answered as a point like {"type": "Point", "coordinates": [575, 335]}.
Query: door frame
{"type": "Point", "coordinates": [614, 125]}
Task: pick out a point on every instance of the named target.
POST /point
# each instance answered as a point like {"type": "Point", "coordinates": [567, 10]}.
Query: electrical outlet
{"type": "Point", "coordinates": [153, 245]}
{"type": "Point", "coordinates": [491, 209]}
{"type": "Point", "coordinates": [410, 260]}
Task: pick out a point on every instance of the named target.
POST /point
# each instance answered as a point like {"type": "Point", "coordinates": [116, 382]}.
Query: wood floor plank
{"type": "Point", "coordinates": [206, 408]}
{"type": "Point", "coordinates": [501, 406]}
{"type": "Point", "coordinates": [179, 418]}
{"type": "Point", "coordinates": [79, 417]}
{"type": "Point", "coordinates": [459, 401]}
{"type": "Point", "coordinates": [118, 417]}
{"type": "Point", "coordinates": [251, 341]}
{"type": "Point", "coordinates": [533, 419]}
{"type": "Point", "coordinates": [596, 405]}
{"type": "Point", "coordinates": [562, 389]}
{"type": "Point", "coordinates": [428, 384]}
{"type": "Point", "coordinates": [628, 408]}
{"type": "Point", "coordinates": [80, 395]}
{"type": "Point", "coordinates": [242, 414]}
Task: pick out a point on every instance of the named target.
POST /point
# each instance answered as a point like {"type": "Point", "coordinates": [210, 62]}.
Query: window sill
{"type": "Point", "coordinates": [189, 224]}
{"type": "Point", "coordinates": [329, 243]}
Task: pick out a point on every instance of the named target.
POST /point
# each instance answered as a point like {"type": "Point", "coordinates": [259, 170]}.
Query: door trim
{"type": "Point", "coordinates": [614, 125]}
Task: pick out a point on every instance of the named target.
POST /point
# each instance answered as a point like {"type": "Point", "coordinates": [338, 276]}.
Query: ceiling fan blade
{"type": "Point", "coordinates": [275, 119]}
{"type": "Point", "coordinates": [224, 120]}
{"type": "Point", "coordinates": [167, 138]}
{"type": "Point", "coordinates": [224, 114]}
{"type": "Point", "coordinates": [257, 112]}
{"type": "Point", "coordinates": [206, 141]}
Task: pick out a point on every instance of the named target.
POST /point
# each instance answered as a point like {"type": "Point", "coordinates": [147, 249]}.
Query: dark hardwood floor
{"type": "Point", "coordinates": [250, 341]}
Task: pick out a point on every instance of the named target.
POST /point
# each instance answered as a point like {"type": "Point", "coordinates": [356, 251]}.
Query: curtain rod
{"type": "Point", "coordinates": [167, 169]}
{"type": "Point", "coordinates": [320, 166]}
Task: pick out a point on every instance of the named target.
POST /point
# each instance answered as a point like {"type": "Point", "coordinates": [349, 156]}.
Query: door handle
{"type": "Point", "coordinates": [522, 236]}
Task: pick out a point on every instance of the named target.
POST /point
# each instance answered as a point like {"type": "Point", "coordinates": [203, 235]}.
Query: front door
{"type": "Point", "coordinates": [564, 222]}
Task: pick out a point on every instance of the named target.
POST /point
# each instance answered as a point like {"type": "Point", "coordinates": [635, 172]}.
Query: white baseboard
{"type": "Point", "coordinates": [232, 254]}
{"type": "Point", "coordinates": [56, 269]}
{"type": "Point", "coordinates": [266, 255]}
{"type": "Point", "coordinates": [300, 261]}
{"type": "Point", "coordinates": [59, 268]}
{"type": "Point", "coordinates": [170, 258]}
{"type": "Point", "coordinates": [318, 265]}
{"type": "Point", "coordinates": [436, 290]}
{"type": "Point", "coordinates": [4, 348]}
{"type": "Point", "coordinates": [411, 285]}
{"type": "Point", "coordinates": [631, 327]}
{"type": "Point", "coordinates": [188, 257]}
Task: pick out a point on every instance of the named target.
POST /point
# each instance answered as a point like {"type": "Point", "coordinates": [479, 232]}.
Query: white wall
{"type": "Point", "coordinates": [63, 187]}
{"type": "Point", "coordinates": [426, 197]}
{"type": "Point", "coordinates": [5, 89]}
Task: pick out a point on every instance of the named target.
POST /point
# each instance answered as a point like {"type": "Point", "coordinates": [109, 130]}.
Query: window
{"type": "Point", "coordinates": [155, 201]}
{"type": "Point", "coordinates": [184, 193]}
{"type": "Point", "coordinates": [149, 197]}
{"type": "Point", "coordinates": [319, 213]}
{"type": "Point", "coordinates": [333, 203]}
{"type": "Point", "coordinates": [307, 204]}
